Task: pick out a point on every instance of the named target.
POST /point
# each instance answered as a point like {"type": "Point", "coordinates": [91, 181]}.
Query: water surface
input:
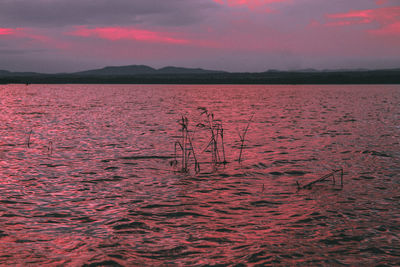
{"type": "Point", "coordinates": [85, 176]}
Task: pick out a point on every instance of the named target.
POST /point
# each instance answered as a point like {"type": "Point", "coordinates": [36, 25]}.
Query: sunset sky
{"type": "Point", "coordinates": [234, 35]}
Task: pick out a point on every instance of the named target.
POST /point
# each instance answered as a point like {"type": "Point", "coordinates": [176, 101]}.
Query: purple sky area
{"type": "Point", "coordinates": [234, 35]}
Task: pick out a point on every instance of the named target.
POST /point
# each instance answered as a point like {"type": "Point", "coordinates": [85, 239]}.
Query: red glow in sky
{"type": "Point", "coordinates": [120, 33]}
{"type": "Point", "coordinates": [233, 35]}
{"type": "Point", "coordinates": [5, 31]}
{"type": "Point", "coordinates": [248, 3]}
{"type": "Point", "coordinates": [382, 16]}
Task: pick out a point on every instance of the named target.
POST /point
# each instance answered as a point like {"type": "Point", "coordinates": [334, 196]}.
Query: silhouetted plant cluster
{"type": "Point", "coordinates": [29, 143]}
{"type": "Point", "coordinates": [186, 147]}
{"type": "Point", "coordinates": [216, 142]}
{"type": "Point", "coordinates": [184, 150]}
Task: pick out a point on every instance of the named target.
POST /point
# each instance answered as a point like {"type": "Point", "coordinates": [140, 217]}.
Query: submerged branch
{"type": "Point", "coordinates": [323, 178]}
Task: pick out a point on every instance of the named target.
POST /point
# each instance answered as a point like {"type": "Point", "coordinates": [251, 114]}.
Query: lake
{"type": "Point", "coordinates": [88, 175]}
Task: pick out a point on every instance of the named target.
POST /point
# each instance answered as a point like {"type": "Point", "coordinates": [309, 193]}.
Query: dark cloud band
{"type": "Point", "coordinates": [44, 13]}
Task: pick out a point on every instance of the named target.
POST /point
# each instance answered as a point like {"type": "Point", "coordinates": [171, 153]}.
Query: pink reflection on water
{"type": "Point", "coordinates": [107, 195]}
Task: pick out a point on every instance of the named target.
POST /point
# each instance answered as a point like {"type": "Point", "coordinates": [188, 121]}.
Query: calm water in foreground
{"type": "Point", "coordinates": [95, 186]}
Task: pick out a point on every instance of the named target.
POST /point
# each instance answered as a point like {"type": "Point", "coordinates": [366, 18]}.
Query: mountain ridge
{"type": "Point", "coordinates": [143, 69]}
{"type": "Point", "coordinates": [127, 70]}
{"type": "Point", "coordinates": [120, 71]}
{"type": "Point", "coordinates": [142, 74]}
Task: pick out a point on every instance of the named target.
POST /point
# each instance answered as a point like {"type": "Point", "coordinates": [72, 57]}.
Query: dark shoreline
{"type": "Point", "coordinates": [270, 77]}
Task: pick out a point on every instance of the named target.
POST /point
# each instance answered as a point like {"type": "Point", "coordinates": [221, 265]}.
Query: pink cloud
{"type": "Point", "coordinates": [381, 2]}
{"type": "Point", "coordinates": [27, 33]}
{"type": "Point", "coordinates": [352, 17]}
{"type": "Point", "coordinates": [6, 31]}
{"type": "Point", "coordinates": [31, 37]}
{"type": "Point", "coordinates": [388, 19]}
{"type": "Point", "coordinates": [252, 4]}
{"type": "Point", "coordinates": [391, 29]}
{"type": "Point", "coordinates": [127, 33]}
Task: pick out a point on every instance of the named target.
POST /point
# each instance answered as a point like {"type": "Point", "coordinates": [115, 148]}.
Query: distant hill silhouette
{"type": "Point", "coordinates": [177, 70]}
{"type": "Point", "coordinates": [141, 69]}
{"type": "Point", "coordinates": [141, 74]}
{"type": "Point", "coordinates": [6, 73]}
{"type": "Point", "coordinates": [118, 70]}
